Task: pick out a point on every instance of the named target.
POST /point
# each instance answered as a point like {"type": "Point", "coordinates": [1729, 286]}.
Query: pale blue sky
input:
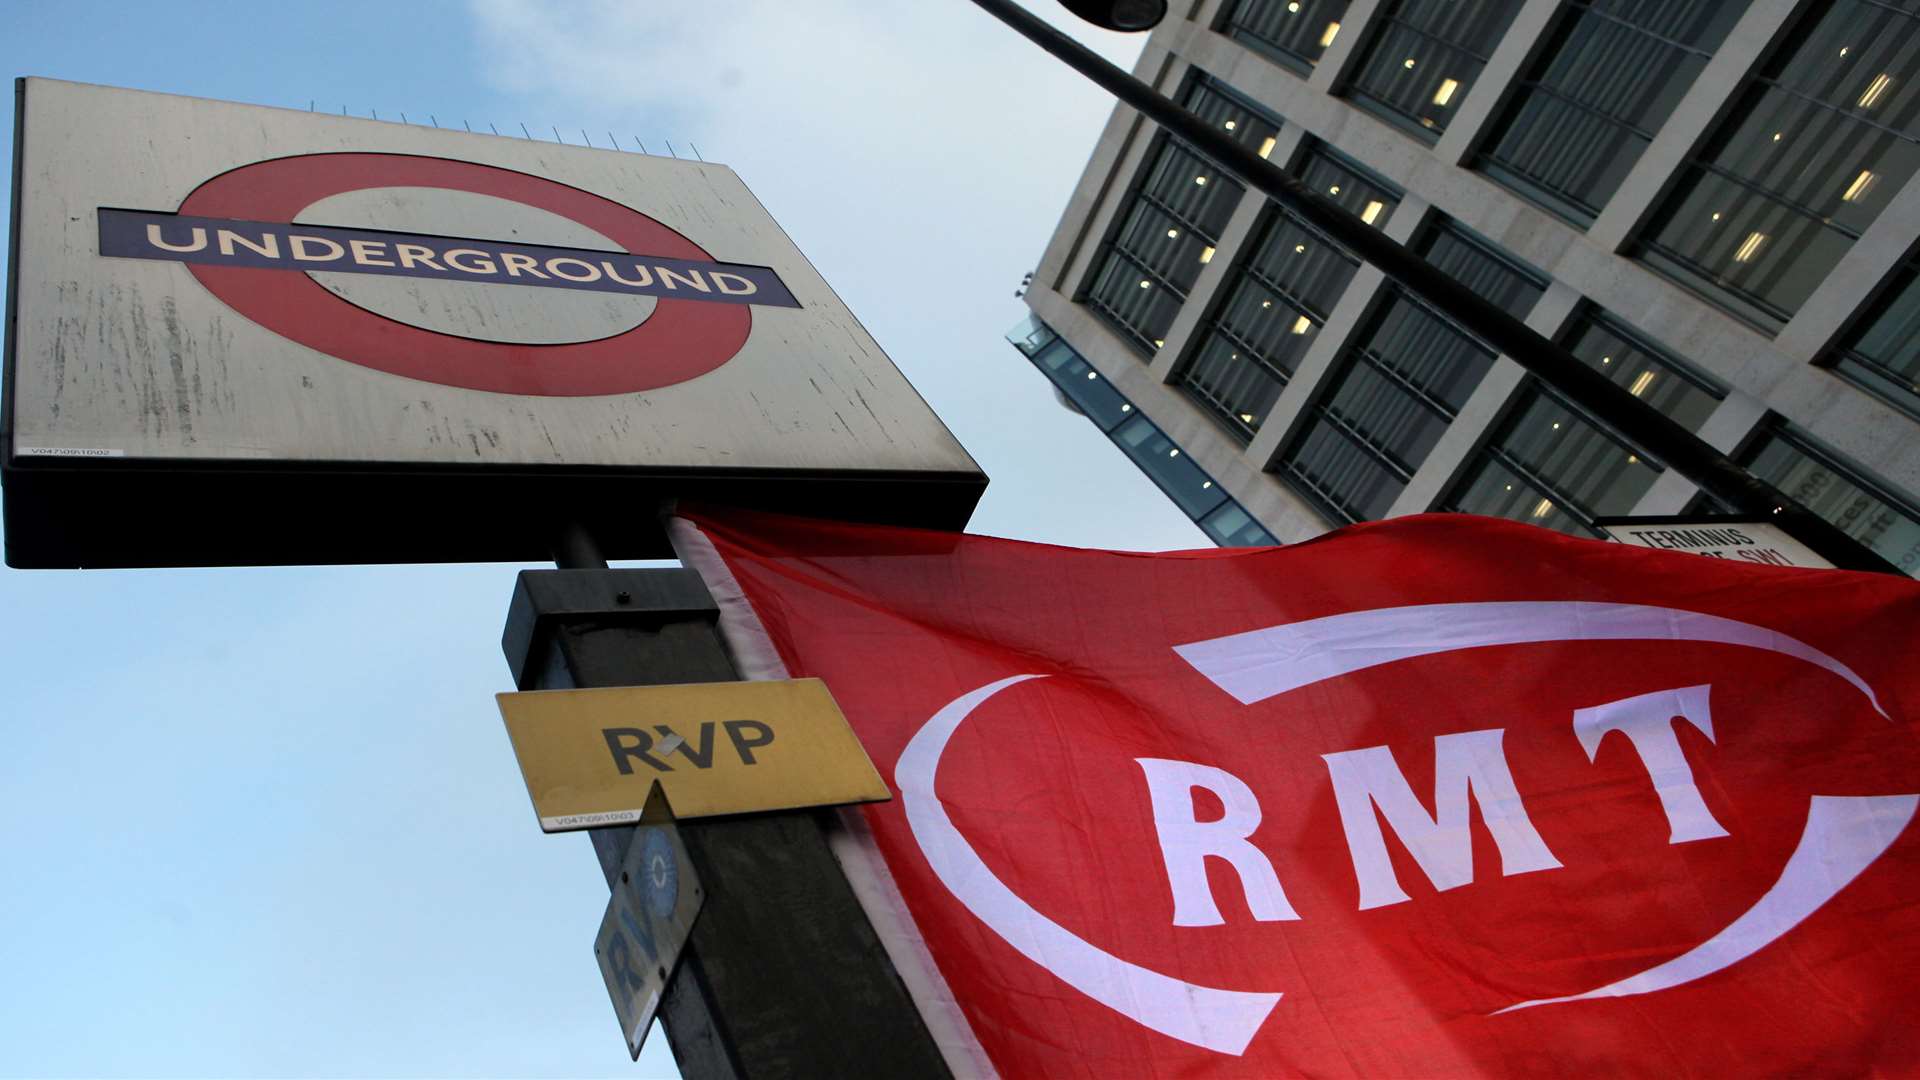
{"type": "Point", "coordinates": [266, 822]}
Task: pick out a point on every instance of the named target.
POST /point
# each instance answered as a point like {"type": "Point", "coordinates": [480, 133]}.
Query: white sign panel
{"type": "Point", "coordinates": [1741, 541]}
{"type": "Point", "coordinates": [210, 286]}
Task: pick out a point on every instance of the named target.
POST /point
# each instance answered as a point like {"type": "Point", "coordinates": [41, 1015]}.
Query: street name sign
{"type": "Point", "coordinates": [269, 336]}
{"type": "Point", "coordinates": [1738, 539]}
{"type": "Point", "coordinates": [655, 900]}
{"type": "Point", "coordinates": [590, 757]}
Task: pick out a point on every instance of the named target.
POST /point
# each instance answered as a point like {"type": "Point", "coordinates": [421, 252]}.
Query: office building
{"type": "Point", "coordinates": [1713, 203]}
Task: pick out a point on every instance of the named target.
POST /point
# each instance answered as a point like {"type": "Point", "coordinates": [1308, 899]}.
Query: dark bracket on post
{"type": "Point", "coordinates": [544, 600]}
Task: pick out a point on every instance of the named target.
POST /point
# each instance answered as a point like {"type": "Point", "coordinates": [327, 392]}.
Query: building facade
{"type": "Point", "coordinates": [1714, 203]}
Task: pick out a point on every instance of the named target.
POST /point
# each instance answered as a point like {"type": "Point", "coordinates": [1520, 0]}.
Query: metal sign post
{"type": "Point", "coordinates": [783, 974]}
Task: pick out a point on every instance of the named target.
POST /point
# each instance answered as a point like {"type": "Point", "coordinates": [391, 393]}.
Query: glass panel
{"type": "Point", "coordinates": [1232, 384]}
{"type": "Point", "coordinates": [1428, 352]}
{"type": "Point", "coordinates": [1591, 472]}
{"type": "Point", "coordinates": [1425, 58]}
{"type": "Point", "coordinates": [1872, 513]}
{"type": "Point", "coordinates": [1294, 32]}
{"type": "Point", "coordinates": [1249, 126]}
{"type": "Point", "coordinates": [1296, 263]}
{"type": "Point", "coordinates": [1484, 268]}
{"type": "Point", "coordinates": [1497, 491]}
{"type": "Point", "coordinates": [1884, 354]}
{"type": "Point", "coordinates": [1367, 196]}
{"type": "Point", "coordinates": [1082, 385]}
{"type": "Point", "coordinates": [1169, 232]}
{"type": "Point", "coordinates": [1342, 477]}
{"type": "Point", "coordinates": [1231, 526]}
{"type": "Point", "coordinates": [1190, 488]}
{"type": "Point", "coordinates": [1390, 404]}
{"type": "Point", "coordinates": [1127, 294]}
{"type": "Point", "coordinates": [1810, 155]}
{"type": "Point", "coordinates": [1029, 334]}
{"type": "Point", "coordinates": [1648, 372]}
{"type": "Point", "coordinates": [1587, 109]}
{"type": "Point", "coordinates": [1276, 304]}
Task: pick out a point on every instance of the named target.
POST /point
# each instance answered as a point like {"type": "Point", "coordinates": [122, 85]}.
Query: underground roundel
{"type": "Point", "coordinates": [569, 294]}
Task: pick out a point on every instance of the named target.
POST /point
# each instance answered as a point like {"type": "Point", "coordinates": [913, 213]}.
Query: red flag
{"type": "Point", "coordinates": [1441, 795]}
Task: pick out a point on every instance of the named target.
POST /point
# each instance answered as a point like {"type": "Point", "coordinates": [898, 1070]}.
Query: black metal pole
{"type": "Point", "coordinates": [1638, 422]}
{"type": "Point", "coordinates": [783, 975]}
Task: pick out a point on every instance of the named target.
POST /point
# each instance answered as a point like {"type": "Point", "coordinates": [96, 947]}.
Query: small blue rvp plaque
{"type": "Point", "coordinates": [648, 919]}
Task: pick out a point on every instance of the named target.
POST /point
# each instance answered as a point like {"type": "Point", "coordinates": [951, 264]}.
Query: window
{"type": "Point", "coordinates": [1425, 58]}
{"type": "Point", "coordinates": [1348, 183]}
{"type": "Point", "coordinates": [1883, 355]}
{"type": "Point", "coordinates": [1231, 526]}
{"type": "Point", "coordinates": [1172, 225]}
{"type": "Point", "coordinates": [1871, 511]}
{"type": "Point", "coordinates": [1393, 399]}
{"type": "Point", "coordinates": [1812, 151]}
{"type": "Point", "coordinates": [1278, 300]}
{"type": "Point", "coordinates": [1649, 372]}
{"type": "Point", "coordinates": [1592, 103]}
{"type": "Point", "coordinates": [1094, 397]}
{"type": "Point", "coordinates": [1476, 263]}
{"type": "Point", "coordinates": [1549, 465]}
{"type": "Point", "coordinates": [1085, 391]}
{"type": "Point", "coordinates": [1292, 32]}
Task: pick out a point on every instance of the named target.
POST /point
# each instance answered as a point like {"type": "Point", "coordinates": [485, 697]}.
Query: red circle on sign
{"type": "Point", "coordinates": [681, 340]}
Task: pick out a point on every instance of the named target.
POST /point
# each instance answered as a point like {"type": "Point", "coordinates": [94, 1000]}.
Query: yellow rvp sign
{"type": "Point", "coordinates": [591, 756]}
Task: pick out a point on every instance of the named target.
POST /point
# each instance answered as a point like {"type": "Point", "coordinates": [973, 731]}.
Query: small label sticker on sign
{"type": "Point", "coordinates": [65, 451]}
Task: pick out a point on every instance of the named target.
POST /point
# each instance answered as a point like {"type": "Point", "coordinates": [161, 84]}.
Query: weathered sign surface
{"type": "Point", "coordinates": [273, 336]}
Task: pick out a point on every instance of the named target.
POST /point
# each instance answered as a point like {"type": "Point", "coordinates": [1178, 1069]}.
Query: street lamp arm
{"type": "Point", "coordinates": [1633, 419]}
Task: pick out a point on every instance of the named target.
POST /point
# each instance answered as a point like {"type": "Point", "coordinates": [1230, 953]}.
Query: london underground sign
{"type": "Point", "coordinates": [274, 336]}
{"type": "Point", "coordinates": [241, 220]}
{"type": "Point", "coordinates": [1439, 796]}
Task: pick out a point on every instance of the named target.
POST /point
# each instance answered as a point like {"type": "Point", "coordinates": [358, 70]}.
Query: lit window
{"type": "Point", "coordinates": [1641, 383]}
{"type": "Point", "coordinates": [1374, 206]}
{"type": "Point", "coordinates": [1266, 147]}
{"type": "Point", "coordinates": [1445, 93]}
{"type": "Point", "coordinates": [1326, 39]}
{"type": "Point", "coordinates": [1545, 508]}
{"type": "Point", "coordinates": [1861, 185]}
{"type": "Point", "coordinates": [1206, 254]}
{"type": "Point", "coordinates": [1302, 325]}
{"type": "Point", "coordinates": [1749, 247]}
